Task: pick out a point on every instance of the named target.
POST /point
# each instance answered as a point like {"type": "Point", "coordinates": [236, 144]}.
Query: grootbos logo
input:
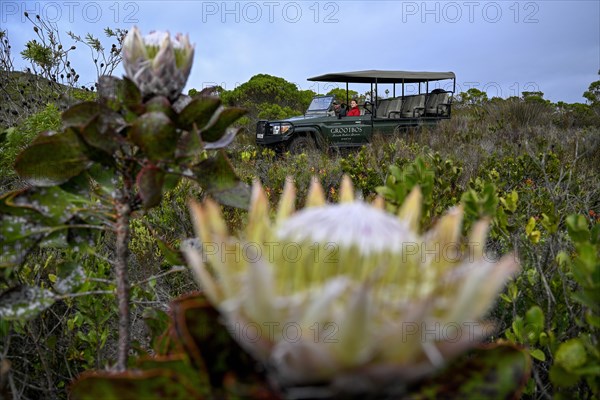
{"type": "Point", "coordinates": [345, 130]}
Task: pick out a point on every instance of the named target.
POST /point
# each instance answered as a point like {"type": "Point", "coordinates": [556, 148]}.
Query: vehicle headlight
{"type": "Point", "coordinates": [280, 129]}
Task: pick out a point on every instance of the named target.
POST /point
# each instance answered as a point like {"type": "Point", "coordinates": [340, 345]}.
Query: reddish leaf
{"type": "Point", "coordinates": [155, 134]}
{"type": "Point", "coordinates": [150, 182]}
{"type": "Point", "coordinates": [199, 111]}
{"type": "Point", "coordinates": [224, 141]}
{"type": "Point", "coordinates": [159, 104]}
{"type": "Point", "coordinates": [218, 127]}
{"type": "Point", "coordinates": [52, 158]}
{"type": "Point", "coordinates": [113, 91]}
{"type": "Point", "coordinates": [80, 114]}
{"type": "Point", "coordinates": [188, 145]}
{"type": "Point", "coordinates": [100, 136]}
{"type": "Point", "coordinates": [217, 176]}
{"type": "Point", "coordinates": [208, 342]}
{"type": "Point", "coordinates": [180, 364]}
{"type": "Point", "coordinates": [153, 384]}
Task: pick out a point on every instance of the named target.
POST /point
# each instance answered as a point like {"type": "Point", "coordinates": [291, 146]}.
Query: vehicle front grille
{"type": "Point", "coordinates": [262, 127]}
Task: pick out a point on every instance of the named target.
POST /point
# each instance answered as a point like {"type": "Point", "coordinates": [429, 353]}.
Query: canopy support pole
{"type": "Point", "coordinates": [403, 89]}
{"type": "Point", "coordinates": [347, 96]}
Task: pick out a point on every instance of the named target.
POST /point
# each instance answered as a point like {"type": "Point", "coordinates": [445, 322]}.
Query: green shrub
{"type": "Point", "coordinates": [13, 140]}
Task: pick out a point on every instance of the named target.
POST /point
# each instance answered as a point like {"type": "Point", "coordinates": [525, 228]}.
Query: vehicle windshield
{"type": "Point", "coordinates": [320, 103]}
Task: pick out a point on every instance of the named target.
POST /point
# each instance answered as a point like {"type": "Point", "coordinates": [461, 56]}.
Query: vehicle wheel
{"type": "Point", "coordinates": [302, 144]}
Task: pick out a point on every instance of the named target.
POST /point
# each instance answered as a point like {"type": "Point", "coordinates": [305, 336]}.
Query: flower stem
{"type": "Point", "coordinates": [122, 252]}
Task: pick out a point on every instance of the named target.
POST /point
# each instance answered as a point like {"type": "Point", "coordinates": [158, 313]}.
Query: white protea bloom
{"type": "Point", "coordinates": [157, 63]}
{"type": "Point", "coordinates": [347, 294]}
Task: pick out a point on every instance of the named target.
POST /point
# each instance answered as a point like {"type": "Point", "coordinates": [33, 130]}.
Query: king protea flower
{"type": "Point", "coordinates": [157, 63]}
{"type": "Point", "coordinates": [347, 294]}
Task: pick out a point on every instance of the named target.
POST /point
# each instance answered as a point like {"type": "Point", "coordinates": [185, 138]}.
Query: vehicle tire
{"type": "Point", "coordinates": [302, 144]}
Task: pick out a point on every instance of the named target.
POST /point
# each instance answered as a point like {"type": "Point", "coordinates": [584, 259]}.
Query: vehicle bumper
{"type": "Point", "coordinates": [264, 137]}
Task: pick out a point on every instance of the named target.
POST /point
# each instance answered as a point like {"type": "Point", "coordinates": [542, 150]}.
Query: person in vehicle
{"type": "Point", "coordinates": [354, 111]}
{"type": "Point", "coordinates": [338, 110]}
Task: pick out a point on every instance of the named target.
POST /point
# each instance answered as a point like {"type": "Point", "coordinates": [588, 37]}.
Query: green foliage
{"type": "Point", "coordinates": [131, 148]}
{"type": "Point", "coordinates": [473, 97]}
{"type": "Point", "coordinates": [275, 111]}
{"type": "Point", "coordinates": [212, 365]}
{"type": "Point", "coordinates": [342, 96]}
{"type": "Point", "coordinates": [265, 88]}
{"type": "Point", "coordinates": [400, 183]}
{"type": "Point", "coordinates": [52, 75]}
{"type": "Point", "coordinates": [437, 178]}
{"type": "Point", "coordinates": [39, 54]}
{"type": "Point", "coordinates": [593, 93]}
{"type": "Point", "coordinates": [364, 170]}
{"type": "Point", "coordinates": [13, 140]}
{"type": "Point", "coordinates": [564, 341]}
{"type": "Point", "coordinates": [529, 168]}
{"type": "Point", "coordinates": [572, 357]}
{"type": "Point", "coordinates": [204, 360]}
{"type": "Point", "coordinates": [517, 113]}
{"type": "Point", "coordinates": [266, 96]}
{"type": "Point", "coordinates": [575, 115]}
{"type": "Point", "coordinates": [106, 161]}
{"type": "Point", "coordinates": [535, 97]}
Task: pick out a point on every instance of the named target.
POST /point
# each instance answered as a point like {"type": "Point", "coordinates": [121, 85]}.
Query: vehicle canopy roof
{"type": "Point", "coordinates": [380, 76]}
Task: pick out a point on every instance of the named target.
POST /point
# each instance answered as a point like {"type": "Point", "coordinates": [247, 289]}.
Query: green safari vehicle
{"type": "Point", "coordinates": [323, 127]}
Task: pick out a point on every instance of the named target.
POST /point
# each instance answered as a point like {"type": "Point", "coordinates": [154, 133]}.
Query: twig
{"type": "Point", "coordinates": [122, 251]}
{"type": "Point", "coordinates": [540, 384]}
{"type": "Point", "coordinates": [72, 295]}
{"type": "Point", "coordinates": [175, 268]}
{"type": "Point", "coordinates": [41, 355]}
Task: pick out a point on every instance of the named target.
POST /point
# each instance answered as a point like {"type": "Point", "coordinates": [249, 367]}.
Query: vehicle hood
{"type": "Point", "coordinates": [300, 118]}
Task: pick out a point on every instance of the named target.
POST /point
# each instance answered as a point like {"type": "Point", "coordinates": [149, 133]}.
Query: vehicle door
{"type": "Point", "coordinates": [349, 131]}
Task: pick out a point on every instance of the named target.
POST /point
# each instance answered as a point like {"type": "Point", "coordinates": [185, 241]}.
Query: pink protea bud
{"type": "Point", "coordinates": [157, 63]}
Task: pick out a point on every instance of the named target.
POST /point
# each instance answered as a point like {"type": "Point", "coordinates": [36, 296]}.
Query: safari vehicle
{"type": "Point", "coordinates": [321, 127]}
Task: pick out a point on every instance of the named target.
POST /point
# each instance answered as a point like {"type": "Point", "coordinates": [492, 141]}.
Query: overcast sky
{"type": "Point", "coordinates": [503, 47]}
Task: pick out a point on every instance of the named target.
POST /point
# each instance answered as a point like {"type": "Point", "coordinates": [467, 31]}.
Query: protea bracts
{"type": "Point", "coordinates": [157, 63]}
{"type": "Point", "coordinates": [347, 295]}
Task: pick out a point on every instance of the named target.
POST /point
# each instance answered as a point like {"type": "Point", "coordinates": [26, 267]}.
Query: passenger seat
{"type": "Point", "coordinates": [413, 107]}
{"type": "Point", "coordinates": [394, 108]}
{"type": "Point", "coordinates": [438, 103]}
{"type": "Point", "coordinates": [382, 108]}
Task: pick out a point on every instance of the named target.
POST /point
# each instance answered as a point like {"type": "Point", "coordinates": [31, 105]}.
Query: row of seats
{"type": "Point", "coordinates": [437, 103]}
